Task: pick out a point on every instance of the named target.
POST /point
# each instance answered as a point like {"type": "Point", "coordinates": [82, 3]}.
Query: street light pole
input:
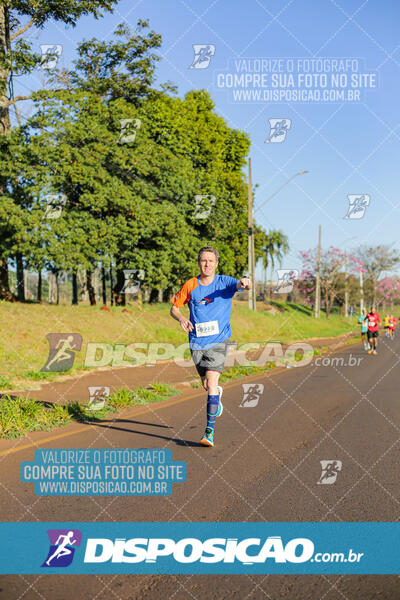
{"type": "Point", "coordinates": [318, 281]}
{"type": "Point", "coordinates": [251, 262]}
{"type": "Point", "coordinates": [280, 188]}
{"type": "Point", "coordinates": [346, 277]}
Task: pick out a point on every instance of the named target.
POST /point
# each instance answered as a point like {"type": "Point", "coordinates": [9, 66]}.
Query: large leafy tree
{"type": "Point", "coordinates": [18, 58]}
{"type": "Point", "coordinates": [128, 202]}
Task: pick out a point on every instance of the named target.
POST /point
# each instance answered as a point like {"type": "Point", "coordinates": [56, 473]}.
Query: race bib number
{"type": "Point", "coordinates": [207, 328]}
{"type": "Point", "coordinates": [371, 323]}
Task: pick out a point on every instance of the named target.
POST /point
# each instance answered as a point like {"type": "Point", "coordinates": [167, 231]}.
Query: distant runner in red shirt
{"type": "Point", "coordinates": [392, 325]}
{"type": "Point", "coordinates": [373, 320]}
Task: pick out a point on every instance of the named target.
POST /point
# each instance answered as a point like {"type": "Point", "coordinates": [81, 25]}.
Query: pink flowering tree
{"type": "Point", "coordinates": [389, 290]}
{"type": "Point", "coordinates": [333, 263]}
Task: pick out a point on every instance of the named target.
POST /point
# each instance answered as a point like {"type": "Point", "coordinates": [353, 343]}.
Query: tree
{"type": "Point", "coordinates": [276, 246]}
{"type": "Point", "coordinates": [129, 203]}
{"type": "Point", "coordinates": [377, 260]}
{"type": "Point", "coordinates": [17, 58]}
{"type": "Point", "coordinates": [388, 290]}
{"type": "Point", "coordinates": [332, 262]}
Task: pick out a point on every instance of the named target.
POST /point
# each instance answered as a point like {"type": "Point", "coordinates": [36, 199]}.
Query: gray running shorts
{"type": "Point", "coordinates": [211, 359]}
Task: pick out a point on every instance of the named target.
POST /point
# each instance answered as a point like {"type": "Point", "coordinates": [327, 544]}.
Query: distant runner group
{"type": "Point", "coordinates": [370, 328]}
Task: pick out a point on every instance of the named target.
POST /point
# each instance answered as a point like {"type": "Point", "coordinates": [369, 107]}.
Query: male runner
{"type": "Point", "coordinates": [209, 297]}
{"type": "Point", "coordinates": [373, 325]}
{"type": "Point", "coordinates": [364, 329]}
{"type": "Point", "coordinates": [386, 325]}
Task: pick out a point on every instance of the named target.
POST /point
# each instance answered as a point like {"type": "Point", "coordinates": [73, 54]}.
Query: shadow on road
{"type": "Point", "coordinates": [177, 441]}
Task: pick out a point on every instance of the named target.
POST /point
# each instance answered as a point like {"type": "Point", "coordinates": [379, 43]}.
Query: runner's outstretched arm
{"type": "Point", "coordinates": [183, 321]}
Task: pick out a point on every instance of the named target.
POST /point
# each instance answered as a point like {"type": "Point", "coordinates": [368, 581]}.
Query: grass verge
{"type": "Point", "coordinates": [20, 415]}
{"type": "Point", "coordinates": [27, 325]}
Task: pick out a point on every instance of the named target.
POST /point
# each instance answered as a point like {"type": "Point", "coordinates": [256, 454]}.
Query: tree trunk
{"type": "Point", "coordinates": [20, 278]}
{"type": "Point", "coordinates": [57, 281]}
{"type": "Point", "coordinates": [90, 288]}
{"type": "Point", "coordinates": [265, 283]}
{"type": "Point", "coordinates": [103, 285]}
{"type": "Point", "coordinates": [111, 287]}
{"type": "Point", "coordinates": [153, 296]}
{"type": "Point", "coordinates": [5, 293]}
{"type": "Point", "coordinates": [327, 305]}
{"type": "Point", "coordinates": [39, 286]}
{"type": "Point", "coordinates": [270, 282]}
{"type": "Point", "coordinates": [49, 293]}
{"type": "Point", "coordinates": [375, 290]}
{"type": "Point", "coordinates": [95, 282]}
{"type": "Point", "coordinates": [74, 288]}
{"type": "Point", "coordinates": [119, 297]}
{"type": "Point", "coordinates": [5, 128]}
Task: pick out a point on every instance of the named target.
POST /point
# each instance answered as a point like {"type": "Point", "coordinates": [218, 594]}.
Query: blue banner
{"type": "Point", "coordinates": [240, 548]}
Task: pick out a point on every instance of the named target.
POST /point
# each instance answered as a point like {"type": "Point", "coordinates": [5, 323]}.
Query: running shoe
{"type": "Point", "coordinates": [220, 407]}
{"type": "Point", "coordinates": [374, 352]}
{"type": "Point", "coordinates": [208, 437]}
{"type": "Point", "coordinates": [370, 351]}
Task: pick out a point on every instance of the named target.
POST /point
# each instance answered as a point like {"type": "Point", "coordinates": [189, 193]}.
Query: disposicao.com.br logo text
{"type": "Point", "coordinates": [248, 551]}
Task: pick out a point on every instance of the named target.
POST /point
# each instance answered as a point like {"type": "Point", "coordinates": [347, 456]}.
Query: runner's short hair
{"type": "Point", "coordinates": [207, 249]}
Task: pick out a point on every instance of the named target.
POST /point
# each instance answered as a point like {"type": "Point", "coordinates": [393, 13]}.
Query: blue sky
{"type": "Point", "coordinates": [347, 147]}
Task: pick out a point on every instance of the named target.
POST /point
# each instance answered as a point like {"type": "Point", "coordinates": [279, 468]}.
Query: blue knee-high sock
{"type": "Point", "coordinates": [212, 407]}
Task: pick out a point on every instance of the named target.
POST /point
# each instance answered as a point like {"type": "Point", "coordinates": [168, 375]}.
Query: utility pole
{"type": "Point", "coordinates": [317, 313]}
{"type": "Point", "coordinates": [361, 292]}
{"type": "Point", "coordinates": [346, 287]}
{"type": "Point", "coordinates": [251, 265]}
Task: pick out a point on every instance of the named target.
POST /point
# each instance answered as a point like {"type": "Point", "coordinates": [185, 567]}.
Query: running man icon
{"type": "Point", "coordinates": [62, 351]}
{"type": "Point", "coordinates": [61, 551]}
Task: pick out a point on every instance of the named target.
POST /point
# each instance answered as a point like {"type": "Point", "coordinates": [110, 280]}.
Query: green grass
{"type": "Point", "coordinates": [19, 415]}
{"type": "Point", "coordinates": [28, 324]}
{"type": "Point", "coordinates": [5, 383]}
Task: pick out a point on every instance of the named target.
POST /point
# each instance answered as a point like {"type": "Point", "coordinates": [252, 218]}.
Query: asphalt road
{"type": "Point", "coordinates": [264, 467]}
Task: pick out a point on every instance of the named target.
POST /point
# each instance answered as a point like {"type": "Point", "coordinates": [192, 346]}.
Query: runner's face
{"type": "Point", "coordinates": [208, 263]}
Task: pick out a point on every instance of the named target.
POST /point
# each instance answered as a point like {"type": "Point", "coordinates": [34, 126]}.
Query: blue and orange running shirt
{"type": "Point", "coordinates": [210, 309]}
